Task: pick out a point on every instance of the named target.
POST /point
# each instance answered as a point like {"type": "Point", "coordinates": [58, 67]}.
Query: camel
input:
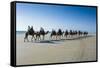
{"type": "Point", "coordinates": [38, 36]}
{"type": "Point", "coordinates": [66, 33]}
{"type": "Point", "coordinates": [29, 32]}
{"type": "Point", "coordinates": [41, 33]}
{"type": "Point", "coordinates": [80, 33]}
{"type": "Point", "coordinates": [53, 34]}
{"type": "Point", "coordinates": [74, 33]}
{"type": "Point", "coordinates": [57, 34]}
{"type": "Point", "coordinates": [85, 33]}
{"type": "Point", "coordinates": [71, 33]}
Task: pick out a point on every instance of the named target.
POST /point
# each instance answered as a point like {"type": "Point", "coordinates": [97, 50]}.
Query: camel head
{"type": "Point", "coordinates": [63, 32]}
{"type": "Point", "coordinates": [47, 32]}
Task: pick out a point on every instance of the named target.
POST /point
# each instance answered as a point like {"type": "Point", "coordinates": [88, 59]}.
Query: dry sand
{"type": "Point", "coordinates": [83, 49]}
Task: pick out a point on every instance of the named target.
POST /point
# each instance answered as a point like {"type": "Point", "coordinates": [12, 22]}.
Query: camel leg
{"type": "Point", "coordinates": [66, 36]}
{"type": "Point", "coordinates": [56, 37]}
{"type": "Point", "coordinates": [32, 39]}
{"type": "Point", "coordinates": [36, 37]}
{"type": "Point", "coordinates": [26, 37]}
{"type": "Point", "coordinates": [27, 40]}
{"type": "Point", "coordinates": [40, 37]}
{"type": "Point", "coordinates": [51, 37]}
{"type": "Point", "coordinates": [60, 37]}
{"type": "Point", "coordinates": [69, 36]}
{"type": "Point", "coordinates": [43, 37]}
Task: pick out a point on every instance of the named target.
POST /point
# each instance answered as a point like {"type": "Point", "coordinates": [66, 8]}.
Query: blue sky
{"type": "Point", "coordinates": [54, 17]}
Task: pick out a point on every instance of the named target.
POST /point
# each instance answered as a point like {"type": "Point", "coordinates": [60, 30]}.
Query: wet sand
{"type": "Point", "coordinates": [79, 49]}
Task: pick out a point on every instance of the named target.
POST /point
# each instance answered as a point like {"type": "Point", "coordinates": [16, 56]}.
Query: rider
{"type": "Point", "coordinates": [32, 28]}
{"type": "Point", "coordinates": [28, 28]}
{"type": "Point", "coordinates": [60, 31]}
{"type": "Point", "coordinates": [41, 29]}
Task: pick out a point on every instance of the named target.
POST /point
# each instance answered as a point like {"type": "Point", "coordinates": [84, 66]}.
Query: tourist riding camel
{"type": "Point", "coordinates": [66, 34]}
{"type": "Point", "coordinates": [29, 32]}
{"type": "Point", "coordinates": [41, 33]}
{"type": "Point", "coordinates": [53, 34]}
{"type": "Point", "coordinates": [59, 34]}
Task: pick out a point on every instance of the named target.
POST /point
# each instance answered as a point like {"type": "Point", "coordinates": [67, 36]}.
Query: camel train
{"type": "Point", "coordinates": [56, 35]}
{"type": "Point", "coordinates": [36, 35]}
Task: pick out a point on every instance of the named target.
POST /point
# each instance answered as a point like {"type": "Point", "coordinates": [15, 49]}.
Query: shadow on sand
{"type": "Point", "coordinates": [62, 40]}
{"type": "Point", "coordinates": [46, 41]}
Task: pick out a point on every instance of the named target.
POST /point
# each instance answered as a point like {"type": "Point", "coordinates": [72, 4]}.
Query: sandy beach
{"type": "Point", "coordinates": [82, 49]}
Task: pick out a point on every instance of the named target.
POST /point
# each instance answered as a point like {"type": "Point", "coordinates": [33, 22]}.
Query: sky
{"type": "Point", "coordinates": [54, 17]}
